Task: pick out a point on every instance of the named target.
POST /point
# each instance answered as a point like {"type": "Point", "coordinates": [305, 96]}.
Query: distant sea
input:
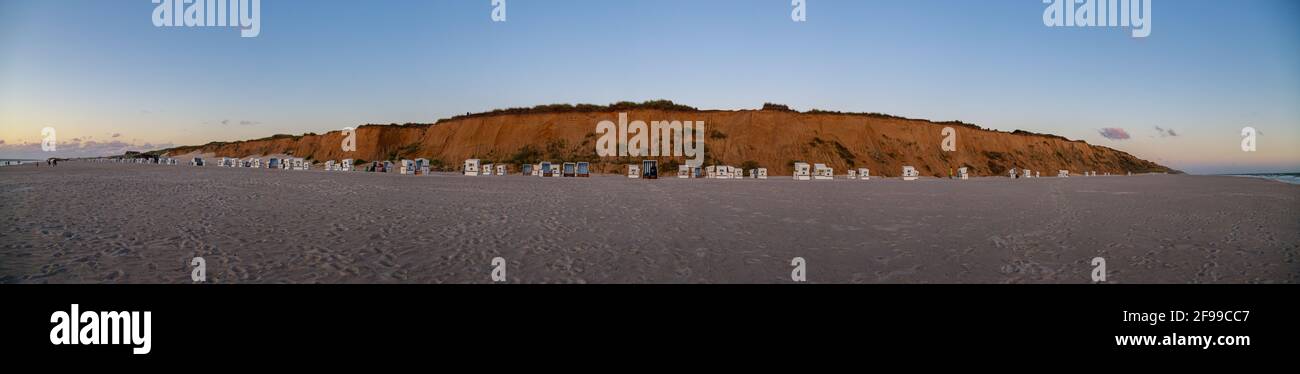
{"type": "Point", "coordinates": [1292, 178]}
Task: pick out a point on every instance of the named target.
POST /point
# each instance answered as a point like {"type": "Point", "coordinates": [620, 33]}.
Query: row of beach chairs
{"type": "Point", "coordinates": [647, 169]}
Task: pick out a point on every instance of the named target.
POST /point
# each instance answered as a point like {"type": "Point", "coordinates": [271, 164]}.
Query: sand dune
{"type": "Point", "coordinates": [116, 223]}
{"type": "Point", "coordinates": [773, 139]}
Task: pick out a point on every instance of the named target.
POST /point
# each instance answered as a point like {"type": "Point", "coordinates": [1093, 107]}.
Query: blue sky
{"type": "Point", "coordinates": [98, 68]}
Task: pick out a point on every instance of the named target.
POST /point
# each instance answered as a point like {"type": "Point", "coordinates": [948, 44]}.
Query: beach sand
{"type": "Point", "coordinates": [120, 223]}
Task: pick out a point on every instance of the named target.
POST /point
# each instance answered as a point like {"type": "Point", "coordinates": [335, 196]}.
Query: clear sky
{"type": "Point", "coordinates": [107, 79]}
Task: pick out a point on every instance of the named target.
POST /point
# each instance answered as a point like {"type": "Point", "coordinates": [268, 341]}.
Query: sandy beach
{"type": "Point", "coordinates": [119, 223]}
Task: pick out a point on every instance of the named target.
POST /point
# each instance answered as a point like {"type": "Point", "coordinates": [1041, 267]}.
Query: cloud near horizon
{"type": "Point", "coordinates": [72, 149]}
{"type": "Point", "coordinates": [1166, 132]}
{"type": "Point", "coordinates": [1114, 133]}
{"type": "Point", "coordinates": [242, 122]}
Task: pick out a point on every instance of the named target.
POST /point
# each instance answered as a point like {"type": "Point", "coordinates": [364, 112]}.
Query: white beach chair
{"type": "Point", "coordinates": [471, 167]}
{"type": "Point", "coordinates": [407, 168]}
{"type": "Point", "coordinates": [823, 172]}
{"type": "Point", "coordinates": [544, 169]}
{"type": "Point", "coordinates": [802, 171]}
{"type": "Point", "coordinates": [423, 166]}
{"type": "Point", "coordinates": [910, 173]}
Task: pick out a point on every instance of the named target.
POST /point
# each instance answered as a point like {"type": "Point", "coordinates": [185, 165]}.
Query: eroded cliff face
{"type": "Point", "coordinates": [774, 139]}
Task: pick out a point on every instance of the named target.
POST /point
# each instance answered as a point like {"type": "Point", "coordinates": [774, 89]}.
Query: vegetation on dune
{"type": "Point", "coordinates": [527, 154]}
{"type": "Point", "coordinates": [845, 154]}
{"type": "Point", "coordinates": [622, 106]}
{"type": "Point", "coordinates": [777, 107]}
{"type": "Point", "coordinates": [817, 143]}
{"type": "Point", "coordinates": [410, 151]}
{"type": "Point", "coordinates": [277, 137]}
{"type": "Point", "coordinates": [864, 114]}
{"type": "Point", "coordinates": [670, 165]}
{"type": "Point", "coordinates": [555, 149]}
{"type": "Point", "coordinates": [996, 167]}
